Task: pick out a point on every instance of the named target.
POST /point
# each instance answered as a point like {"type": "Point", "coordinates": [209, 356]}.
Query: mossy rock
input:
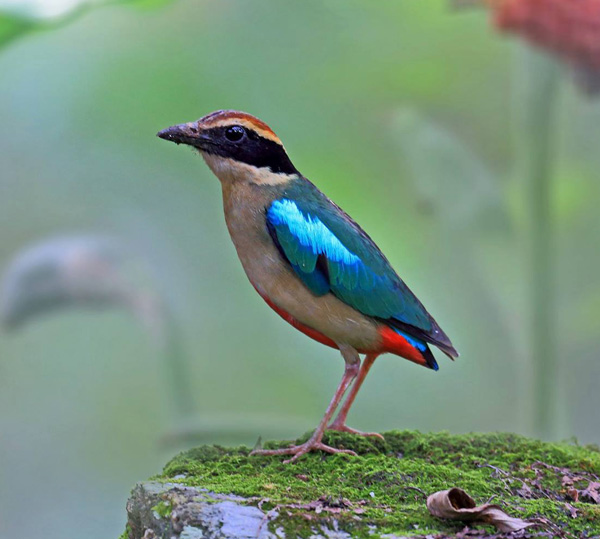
{"type": "Point", "coordinates": [213, 491]}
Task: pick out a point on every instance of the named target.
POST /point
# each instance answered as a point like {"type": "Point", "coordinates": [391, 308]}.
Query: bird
{"type": "Point", "coordinates": [310, 261]}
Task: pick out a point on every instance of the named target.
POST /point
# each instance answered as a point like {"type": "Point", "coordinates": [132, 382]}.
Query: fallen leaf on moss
{"type": "Point", "coordinates": [572, 510]}
{"type": "Point", "coordinates": [592, 492]}
{"type": "Point", "coordinates": [456, 504]}
{"type": "Point", "coordinates": [525, 491]}
{"type": "Point", "coordinates": [573, 493]}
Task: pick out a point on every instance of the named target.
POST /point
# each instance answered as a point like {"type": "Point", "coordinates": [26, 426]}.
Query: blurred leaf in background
{"type": "Point", "coordinates": [18, 17]}
{"type": "Point", "coordinates": [90, 272]}
{"type": "Point", "coordinates": [570, 30]}
{"type": "Point", "coordinates": [64, 272]}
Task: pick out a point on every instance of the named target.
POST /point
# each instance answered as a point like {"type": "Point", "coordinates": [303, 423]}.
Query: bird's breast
{"type": "Point", "coordinates": [275, 280]}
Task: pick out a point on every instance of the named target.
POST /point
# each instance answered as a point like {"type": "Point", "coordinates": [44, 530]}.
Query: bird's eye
{"type": "Point", "coordinates": [235, 133]}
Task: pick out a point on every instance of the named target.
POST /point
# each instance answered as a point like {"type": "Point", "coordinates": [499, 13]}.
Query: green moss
{"type": "Point", "coordinates": [163, 509]}
{"type": "Point", "coordinates": [126, 532]}
{"type": "Point", "coordinates": [388, 483]}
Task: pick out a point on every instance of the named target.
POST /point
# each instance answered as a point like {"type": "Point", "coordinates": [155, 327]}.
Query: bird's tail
{"type": "Point", "coordinates": [435, 336]}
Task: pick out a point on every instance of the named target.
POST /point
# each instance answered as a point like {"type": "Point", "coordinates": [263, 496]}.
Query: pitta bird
{"type": "Point", "coordinates": [309, 260]}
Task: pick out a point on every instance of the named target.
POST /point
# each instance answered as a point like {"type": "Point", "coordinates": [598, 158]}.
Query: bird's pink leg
{"type": "Point", "coordinates": [352, 368]}
{"type": "Point", "coordinates": [340, 421]}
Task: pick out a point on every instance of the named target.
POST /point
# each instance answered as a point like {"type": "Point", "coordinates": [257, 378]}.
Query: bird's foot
{"type": "Point", "coordinates": [346, 428]}
{"type": "Point", "coordinates": [298, 450]}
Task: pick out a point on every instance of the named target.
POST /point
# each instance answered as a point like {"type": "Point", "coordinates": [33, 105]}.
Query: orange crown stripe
{"type": "Point", "coordinates": [234, 117]}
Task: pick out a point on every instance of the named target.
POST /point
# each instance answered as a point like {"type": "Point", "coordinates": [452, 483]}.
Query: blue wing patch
{"type": "Point", "coordinates": [306, 241]}
{"type": "Point", "coordinates": [326, 264]}
{"type": "Point", "coordinates": [311, 234]}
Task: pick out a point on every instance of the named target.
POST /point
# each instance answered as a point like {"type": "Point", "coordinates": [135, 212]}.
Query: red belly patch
{"type": "Point", "coordinates": [312, 333]}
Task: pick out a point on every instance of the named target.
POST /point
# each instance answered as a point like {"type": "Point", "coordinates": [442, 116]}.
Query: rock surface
{"type": "Point", "coordinates": [214, 492]}
{"type": "Point", "coordinates": [163, 510]}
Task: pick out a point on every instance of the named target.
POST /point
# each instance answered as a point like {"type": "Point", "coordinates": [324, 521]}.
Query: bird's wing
{"type": "Point", "coordinates": [330, 253]}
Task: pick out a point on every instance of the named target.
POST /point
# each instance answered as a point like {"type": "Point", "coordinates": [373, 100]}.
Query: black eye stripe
{"type": "Point", "coordinates": [250, 148]}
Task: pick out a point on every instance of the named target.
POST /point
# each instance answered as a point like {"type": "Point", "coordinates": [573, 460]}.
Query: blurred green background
{"type": "Point", "coordinates": [406, 113]}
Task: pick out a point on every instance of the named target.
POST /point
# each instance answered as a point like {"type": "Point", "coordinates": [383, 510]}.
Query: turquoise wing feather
{"type": "Point", "coordinates": [330, 253]}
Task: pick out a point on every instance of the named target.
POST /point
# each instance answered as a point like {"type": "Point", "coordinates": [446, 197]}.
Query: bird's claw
{"type": "Point", "coordinates": [298, 450]}
{"type": "Point", "coordinates": [346, 428]}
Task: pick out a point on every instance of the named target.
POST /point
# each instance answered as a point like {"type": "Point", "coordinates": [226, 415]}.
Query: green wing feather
{"type": "Point", "coordinates": [330, 253]}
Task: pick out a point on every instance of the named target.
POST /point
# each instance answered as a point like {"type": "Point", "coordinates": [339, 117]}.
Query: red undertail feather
{"type": "Point", "coordinates": [395, 343]}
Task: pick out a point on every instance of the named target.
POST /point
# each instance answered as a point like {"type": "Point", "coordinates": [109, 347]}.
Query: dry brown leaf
{"type": "Point", "coordinates": [456, 504]}
{"type": "Point", "coordinates": [573, 493]}
{"type": "Point", "coordinates": [525, 491]}
{"type": "Point", "coordinates": [592, 492]}
{"type": "Point", "coordinates": [572, 510]}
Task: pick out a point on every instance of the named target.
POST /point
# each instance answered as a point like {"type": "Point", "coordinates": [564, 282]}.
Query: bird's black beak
{"type": "Point", "coordinates": [185, 134]}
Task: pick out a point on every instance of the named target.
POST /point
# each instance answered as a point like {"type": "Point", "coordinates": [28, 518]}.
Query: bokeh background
{"type": "Point", "coordinates": [457, 147]}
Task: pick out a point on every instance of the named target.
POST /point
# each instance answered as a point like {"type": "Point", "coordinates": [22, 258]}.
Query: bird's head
{"type": "Point", "coordinates": [236, 146]}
